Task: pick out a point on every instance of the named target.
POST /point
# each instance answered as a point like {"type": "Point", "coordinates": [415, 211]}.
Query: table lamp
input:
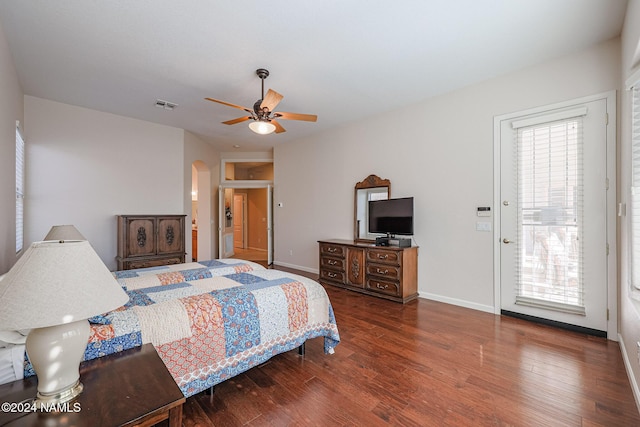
{"type": "Point", "coordinates": [53, 289]}
{"type": "Point", "coordinates": [64, 232]}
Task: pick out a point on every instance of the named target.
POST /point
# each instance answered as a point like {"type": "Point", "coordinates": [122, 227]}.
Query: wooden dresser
{"type": "Point", "coordinates": [387, 272]}
{"type": "Point", "coordinates": [150, 240]}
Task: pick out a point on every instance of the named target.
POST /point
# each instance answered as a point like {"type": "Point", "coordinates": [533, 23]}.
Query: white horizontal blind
{"type": "Point", "coordinates": [635, 187]}
{"type": "Point", "coordinates": [550, 204]}
{"type": "Point", "coordinates": [19, 191]}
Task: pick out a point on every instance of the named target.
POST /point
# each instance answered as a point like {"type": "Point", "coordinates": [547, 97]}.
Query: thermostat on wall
{"type": "Point", "coordinates": [484, 211]}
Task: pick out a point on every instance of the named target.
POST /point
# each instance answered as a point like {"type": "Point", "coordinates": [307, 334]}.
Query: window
{"type": "Point", "coordinates": [19, 190]}
{"type": "Point", "coordinates": [635, 187]}
{"type": "Point", "coordinates": [549, 246]}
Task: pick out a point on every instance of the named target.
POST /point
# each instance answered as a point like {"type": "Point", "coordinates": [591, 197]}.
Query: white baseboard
{"type": "Point", "coordinates": [297, 267]}
{"type": "Point", "coordinates": [627, 365]}
{"type": "Point", "coordinates": [458, 302]}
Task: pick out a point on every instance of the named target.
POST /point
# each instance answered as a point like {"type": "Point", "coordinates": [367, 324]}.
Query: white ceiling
{"type": "Point", "coordinates": [342, 60]}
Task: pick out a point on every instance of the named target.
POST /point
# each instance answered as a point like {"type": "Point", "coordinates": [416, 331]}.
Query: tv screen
{"type": "Point", "coordinates": [392, 216]}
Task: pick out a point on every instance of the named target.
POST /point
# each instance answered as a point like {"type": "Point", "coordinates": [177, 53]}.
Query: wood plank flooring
{"type": "Point", "coordinates": [428, 364]}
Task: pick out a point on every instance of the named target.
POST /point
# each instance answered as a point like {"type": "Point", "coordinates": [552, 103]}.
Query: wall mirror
{"type": "Point", "coordinates": [371, 188]}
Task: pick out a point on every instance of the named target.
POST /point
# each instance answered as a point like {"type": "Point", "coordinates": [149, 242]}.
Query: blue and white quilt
{"type": "Point", "coordinates": [212, 320]}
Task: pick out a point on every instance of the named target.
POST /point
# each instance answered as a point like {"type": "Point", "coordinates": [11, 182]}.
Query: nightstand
{"type": "Point", "coordinates": [130, 388]}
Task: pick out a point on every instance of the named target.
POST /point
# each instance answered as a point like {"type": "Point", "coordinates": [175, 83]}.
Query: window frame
{"type": "Point", "coordinates": [20, 184]}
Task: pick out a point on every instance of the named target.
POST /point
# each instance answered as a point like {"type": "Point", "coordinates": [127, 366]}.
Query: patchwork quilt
{"type": "Point", "coordinates": [212, 320]}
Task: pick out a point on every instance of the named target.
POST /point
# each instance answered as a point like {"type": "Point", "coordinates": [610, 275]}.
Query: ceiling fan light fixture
{"type": "Point", "coordinates": [262, 127]}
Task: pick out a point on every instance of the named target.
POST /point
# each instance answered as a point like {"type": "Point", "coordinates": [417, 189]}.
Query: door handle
{"type": "Point", "coordinates": [507, 241]}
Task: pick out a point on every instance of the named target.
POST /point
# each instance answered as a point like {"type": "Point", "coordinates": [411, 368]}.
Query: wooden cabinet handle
{"type": "Point", "coordinates": [385, 256]}
{"type": "Point", "coordinates": [381, 272]}
{"type": "Point", "coordinates": [332, 275]}
{"type": "Point", "coordinates": [332, 262]}
{"type": "Point", "coordinates": [379, 286]}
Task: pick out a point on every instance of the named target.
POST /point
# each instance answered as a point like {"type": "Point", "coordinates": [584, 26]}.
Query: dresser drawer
{"type": "Point", "coordinates": [384, 256]}
{"type": "Point", "coordinates": [332, 263]}
{"type": "Point", "coordinates": [332, 276]}
{"type": "Point", "coordinates": [333, 250]}
{"type": "Point", "coordinates": [381, 286]}
{"type": "Point", "coordinates": [387, 271]}
{"type": "Point", "coordinates": [133, 263]}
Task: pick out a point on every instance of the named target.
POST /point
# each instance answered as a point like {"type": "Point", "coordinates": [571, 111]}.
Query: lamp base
{"type": "Point", "coordinates": [55, 353]}
{"type": "Point", "coordinates": [47, 400]}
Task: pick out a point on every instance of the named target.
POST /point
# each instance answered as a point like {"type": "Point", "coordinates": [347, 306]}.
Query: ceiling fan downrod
{"type": "Point", "coordinates": [262, 114]}
{"type": "Point", "coordinates": [263, 74]}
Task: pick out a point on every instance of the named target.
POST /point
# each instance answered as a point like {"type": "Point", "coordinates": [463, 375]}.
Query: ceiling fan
{"type": "Point", "coordinates": [262, 114]}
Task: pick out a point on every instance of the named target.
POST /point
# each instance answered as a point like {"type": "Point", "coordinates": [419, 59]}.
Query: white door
{"type": "Point", "coordinates": [239, 203]}
{"type": "Point", "coordinates": [553, 215]}
{"type": "Point", "coordinates": [225, 229]}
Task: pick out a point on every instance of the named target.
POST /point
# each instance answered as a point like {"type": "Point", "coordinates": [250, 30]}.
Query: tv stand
{"type": "Point", "coordinates": [389, 272]}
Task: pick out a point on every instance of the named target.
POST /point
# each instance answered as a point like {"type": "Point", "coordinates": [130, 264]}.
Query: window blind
{"type": "Point", "coordinates": [19, 191]}
{"type": "Point", "coordinates": [550, 204]}
{"type": "Point", "coordinates": [635, 187]}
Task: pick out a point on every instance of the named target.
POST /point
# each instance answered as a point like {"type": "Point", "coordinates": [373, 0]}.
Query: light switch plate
{"type": "Point", "coordinates": [483, 226]}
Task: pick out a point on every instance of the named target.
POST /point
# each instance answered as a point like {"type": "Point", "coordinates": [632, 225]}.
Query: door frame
{"type": "Point", "coordinates": [268, 186]}
{"type": "Point", "coordinates": [612, 272]}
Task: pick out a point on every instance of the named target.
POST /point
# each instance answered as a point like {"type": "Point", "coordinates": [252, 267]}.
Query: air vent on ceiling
{"type": "Point", "coordinates": [165, 104]}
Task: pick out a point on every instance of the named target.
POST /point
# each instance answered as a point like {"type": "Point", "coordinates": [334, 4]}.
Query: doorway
{"type": "Point", "coordinates": [201, 213]}
{"type": "Point", "coordinates": [246, 223]}
{"type": "Point", "coordinates": [553, 214]}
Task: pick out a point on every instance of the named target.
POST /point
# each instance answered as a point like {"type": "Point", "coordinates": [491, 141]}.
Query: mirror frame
{"type": "Point", "coordinates": [372, 181]}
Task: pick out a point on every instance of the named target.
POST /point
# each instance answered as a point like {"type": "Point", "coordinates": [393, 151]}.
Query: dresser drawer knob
{"type": "Point", "coordinates": [332, 275]}
{"type": "Point", "coordinates": [379, 286]}
{"type": "Point", "coordinates": [331, 250]}
{"type": "Point", "coordinates": [385, 256]}
{"type": "Point", "coordinates": [331, 262]}
{"type": "Point", "coordinates": [381, 272]}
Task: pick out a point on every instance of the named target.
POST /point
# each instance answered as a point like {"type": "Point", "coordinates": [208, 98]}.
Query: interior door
{"type": "Point", "coordinates": [553, 215]}
{"type": "Point", "coordinates": [239, 203]}
{"type": "Point", "coordinates": [225, 226]}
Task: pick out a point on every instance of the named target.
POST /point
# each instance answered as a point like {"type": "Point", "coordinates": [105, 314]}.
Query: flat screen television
{"type": "Point", "coordinates": [391, 216]}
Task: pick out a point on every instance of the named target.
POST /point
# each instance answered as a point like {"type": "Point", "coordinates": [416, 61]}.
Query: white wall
{"type": "Point", "coordinates": [85, 167]}
{"type": "Point", "coordinates": [629, 309]}
{"type": "Point", "coordinates": [441, 152]}
{"type": "Point", "coordinates": [11, 109]}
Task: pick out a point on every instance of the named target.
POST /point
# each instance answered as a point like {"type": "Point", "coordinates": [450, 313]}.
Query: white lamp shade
{"type": "Point", "coordinates": [262, 127]}
{"type": "Point", "coordinates": [64, 232]}
{"type": "Point", "coordinates": [57, 282]}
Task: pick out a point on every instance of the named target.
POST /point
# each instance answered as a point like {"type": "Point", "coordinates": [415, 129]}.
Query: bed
{"type": "Point", "coordinates": [212, 320]}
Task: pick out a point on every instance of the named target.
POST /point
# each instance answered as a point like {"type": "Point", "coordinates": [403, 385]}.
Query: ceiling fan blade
{"type": "Point", "coordinates": [238, 120]}
{"type": "Point", "coordinates": [296, 116]}
{"type": "Point", "coordinates": [271, 99]}
{"type": "Point", "coordinates": [279, 128]}
{"type": "Point", "coordinates": [229, 104]}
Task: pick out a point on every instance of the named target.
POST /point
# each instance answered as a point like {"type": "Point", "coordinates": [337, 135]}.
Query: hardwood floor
{"type": "Point", "coordinates": [428, 364]}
